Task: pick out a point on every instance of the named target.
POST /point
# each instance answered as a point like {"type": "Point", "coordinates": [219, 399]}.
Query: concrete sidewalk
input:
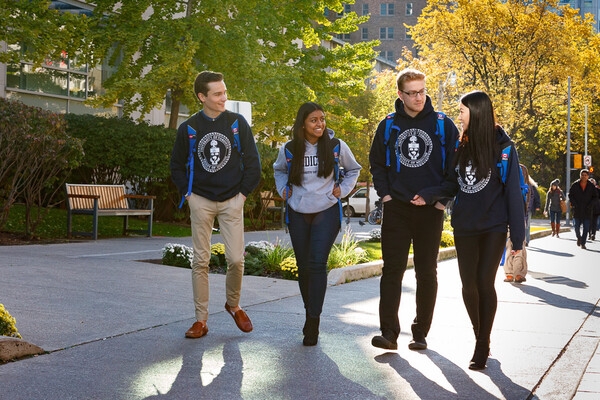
{"type": "Point", "coordinates": [114, 326]}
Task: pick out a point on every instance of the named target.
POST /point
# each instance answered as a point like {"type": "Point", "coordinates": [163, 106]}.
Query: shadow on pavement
{"type": "Point", "coordinates": [556, 279]}
{"type": "Point", "coordinates": [227, 384]}
{"type": "Point", "coordinates": [559, 301]}
{"type": "Point", "coordinates": [553, 253]}
{"type": "Point", "coordinates": [461, 382]}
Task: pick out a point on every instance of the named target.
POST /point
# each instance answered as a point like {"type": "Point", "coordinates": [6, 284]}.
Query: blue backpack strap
{"type": "Point", "coordinates": [288, 159]}
{"type": "Point", "coordinates": [442, 136]}
{"type": "Point", "coordinates": [388, 130]}
{"type": "Point", "coordinates": [336, 174]}
{"type": "Point", "coordinates": [190, 162]}
{"type": "Point", "coordinates": [503, 165]}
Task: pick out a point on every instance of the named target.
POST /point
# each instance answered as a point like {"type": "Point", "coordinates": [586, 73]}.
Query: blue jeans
{"type": "Point", "coordinates": [577, 222]}
{"type": "Point", "coordinates": [555, 216]}
{"type": "Point", "coordinates": [312, 237]}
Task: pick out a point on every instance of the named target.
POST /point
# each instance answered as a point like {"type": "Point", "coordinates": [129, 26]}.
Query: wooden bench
{"type": "Point", "coordinates": [104, 200]}
{"type": "Point", "coordinates": [274, 204]}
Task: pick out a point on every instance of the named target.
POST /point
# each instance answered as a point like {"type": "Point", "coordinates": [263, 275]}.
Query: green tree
{"type": "Point", "coordinates": [34, 32]}
{"type": "Point", "coordinates": [268, 50]}
{"type": "Point", "coordinates": [521, 54]}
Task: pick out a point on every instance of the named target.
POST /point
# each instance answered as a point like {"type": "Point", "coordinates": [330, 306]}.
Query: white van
{"type": "Point", "coordinates": [357, 203]}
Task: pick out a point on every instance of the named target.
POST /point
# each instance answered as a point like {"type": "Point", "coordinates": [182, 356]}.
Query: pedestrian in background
{"type": "Point", "coordinates": [485, 208]}
{"type": "Point", "coordinates": [533, 204]}
{"type": "Point", "coordinates": [594, 224]}
{"type": "Point", "coordinates": [310, 184]}
{"type": "Point", "coordinates": [553, 207]}
{"type": "Point", "coordinates": [215, 179]}
{"type": "Point", "coordinates": [582, 195]}
{"type": "Point", "coordinates": [410, 152]}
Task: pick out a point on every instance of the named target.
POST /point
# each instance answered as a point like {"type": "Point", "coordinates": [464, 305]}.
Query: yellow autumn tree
{"type": "Point", "coordinates": [521, 54]}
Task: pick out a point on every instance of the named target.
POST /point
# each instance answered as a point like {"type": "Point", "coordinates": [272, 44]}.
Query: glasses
{"type": "Point", "coordinates": [422, 92]}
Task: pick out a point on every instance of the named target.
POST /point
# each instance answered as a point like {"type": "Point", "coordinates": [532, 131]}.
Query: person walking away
{"type": "Point", "coordinates": [489, 202]}
{"type": "Point", "coordinates": [582, 195]}
{"type": "Point", "coordinates": [533, 203]}
{"type": "Point", "coordinates": [595, 212]}
{"type": "Point", "coordinates": [413, 149]}
{"type": "Point", "coordinates": [311, 185]}
{"type": "Point", "coordinates": [553, 199]}
{"type": "Point", "coordinates": [215, 165]}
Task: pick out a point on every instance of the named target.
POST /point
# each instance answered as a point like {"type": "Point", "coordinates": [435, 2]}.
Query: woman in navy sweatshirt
{"type": "Point", "coordinates": [485, 208]}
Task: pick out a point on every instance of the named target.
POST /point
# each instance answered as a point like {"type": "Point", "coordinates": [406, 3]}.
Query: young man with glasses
{"type": "Point", "coordinates": [407, 156]}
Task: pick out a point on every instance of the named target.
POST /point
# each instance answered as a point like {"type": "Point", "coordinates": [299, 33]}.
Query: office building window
{"type": "Point", "coordinates": [365, 34]}
{"type": "Point", "coordinates": [365, 9]}
{"type": "Point", "coordinates": [388, 55]}
{"type": "Point", "coordinates": [343, 36]}
{"type": "Point", "coordinates": [407, 34]}
{"type": "Point", "coordinates": [347, 8]}
{"type": "Point", "coordinates": [387, 8]}
{"type": "Point", "coordinates": [386, 33]}
{"type": "Point", "coordinates": [409, 9]}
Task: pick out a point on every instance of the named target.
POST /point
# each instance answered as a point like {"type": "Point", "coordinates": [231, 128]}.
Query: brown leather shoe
{"type": "Point", "coordinates": [241, 319]}
{"type": "Point", "coordinates": [520, 279]}
{"type": "Point", "coordinates": [509, 278]}
{"type": "Point", "coordinates": [197, 330]}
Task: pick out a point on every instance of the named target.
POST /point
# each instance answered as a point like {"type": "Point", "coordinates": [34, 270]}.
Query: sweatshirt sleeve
{"type": "Point", "coordinates": [179, 156]}
{"type": "Point", "coordinates": [516, 208]}
{"type": "Point", "coordinates": [352, 168]}
{"type": "Point", "coordinates": [377, 159]}
{"type": "Point", "coordinates": [251, 159]}
{"type": "Point", "coordinates": [280, 171]}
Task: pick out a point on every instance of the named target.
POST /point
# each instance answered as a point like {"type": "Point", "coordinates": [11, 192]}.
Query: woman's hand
{"type": "Point", "coordinates": [287, 193]}
{"type": "Point", "coordinates": [337, 192]}
{"type": "Point", "coordinates": [514, 252]}
{"type": "Point", "coordinates": [418, 200]}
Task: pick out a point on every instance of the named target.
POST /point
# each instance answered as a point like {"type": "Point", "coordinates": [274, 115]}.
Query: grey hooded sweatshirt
{"type": "Point", "coordinates": [314, 195]}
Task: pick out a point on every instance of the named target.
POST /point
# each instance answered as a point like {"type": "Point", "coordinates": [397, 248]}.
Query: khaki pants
{"type": "Point", "coordinates": [517, 264]}
{"type": "Point", "coordinates": [230, 214]}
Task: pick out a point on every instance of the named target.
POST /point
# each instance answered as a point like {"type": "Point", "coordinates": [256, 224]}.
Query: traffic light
{"type": "Point", "coordinates": [577, 161]}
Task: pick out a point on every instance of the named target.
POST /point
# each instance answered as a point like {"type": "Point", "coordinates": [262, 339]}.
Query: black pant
{"type": "Point", "coordinates": [478, 260]}
{"type": "Point", "coordinates": [404, 223]}
{"type": "Point", "coordinates": [312, 237]}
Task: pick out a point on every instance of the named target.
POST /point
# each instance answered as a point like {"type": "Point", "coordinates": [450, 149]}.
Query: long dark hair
{"type": "Point", "coordinates": [478, 143]}
{"type": "Point", "coordinates": [324, 152]}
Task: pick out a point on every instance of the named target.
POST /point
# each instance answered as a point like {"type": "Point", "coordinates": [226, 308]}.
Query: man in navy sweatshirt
{"type": "Point", "coordinates": [411, 159]}
{"type": "Point", "coordinates": [223, 169]}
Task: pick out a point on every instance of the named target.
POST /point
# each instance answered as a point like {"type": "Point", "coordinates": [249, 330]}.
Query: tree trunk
{"type": "Point", "coordinates": [175, 103]}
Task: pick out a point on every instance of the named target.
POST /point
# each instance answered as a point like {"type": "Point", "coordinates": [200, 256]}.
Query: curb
{"type": "Point", "coordinates": [12, 348]}
{"type": "Point", "coordinates": [357, 272]}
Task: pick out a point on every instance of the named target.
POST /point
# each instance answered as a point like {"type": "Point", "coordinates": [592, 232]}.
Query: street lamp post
{"type": "Point", "coordinates": [450, 78]}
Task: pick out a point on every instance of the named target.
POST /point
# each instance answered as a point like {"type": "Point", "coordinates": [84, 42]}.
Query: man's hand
{"type": "Point", "coordinates": [386, 198]}
{"type": "Point", "coordinates": [439, 206]}
{"type": "Point", "coordinates": [514, 252]}
{"type": "Point", "coordinates": [418, 200]}
{"type": "Point", "coordinates": [244, 197]}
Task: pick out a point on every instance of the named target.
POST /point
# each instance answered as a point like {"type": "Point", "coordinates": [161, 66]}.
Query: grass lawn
{"type": "Point", "coordinates": [54, 225]}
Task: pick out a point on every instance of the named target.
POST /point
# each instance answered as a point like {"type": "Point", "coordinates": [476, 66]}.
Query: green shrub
{"type": "Point", "coordinates": [348, 252]}
{"type": "Point", "coordinates": [273, 257]}
{"type": "Point", "coordinates": [36, 155]}
{"type": "Point", "coordinates": [447, 239]}
{"type": "Point", "coordinates": [7, 324]}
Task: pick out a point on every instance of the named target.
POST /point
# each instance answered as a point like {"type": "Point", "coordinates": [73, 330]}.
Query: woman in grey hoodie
{"type": "Point", "coordinates": [306, 175]}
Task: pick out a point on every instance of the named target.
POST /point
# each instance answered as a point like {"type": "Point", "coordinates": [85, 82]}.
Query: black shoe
{"type": "Point", "coordinates": [578, 242]}
{"type": "Point", "coordinates": [417, 343]}
{"type": "Point", "coordinates": [583, 247]}
{"type": "Point", "coordinates": [383, 343]}
{"type": "Point", "coordinates": [480, 356]}
{"type": "Point", "coordinates": [311, 331]}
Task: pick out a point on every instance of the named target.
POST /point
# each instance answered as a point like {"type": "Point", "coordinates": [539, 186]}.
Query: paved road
{"type": "Point", "coordinates": [114, 328]}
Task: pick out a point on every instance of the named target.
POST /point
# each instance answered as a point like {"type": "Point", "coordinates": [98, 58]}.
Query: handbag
{"type": "Point", "coordinates": [563, 206]}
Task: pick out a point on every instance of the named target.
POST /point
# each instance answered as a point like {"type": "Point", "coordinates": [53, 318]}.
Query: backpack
{"type": "Point", "coordinates": [388, 130]}
{"type": "Point", "coordinates": [192, 143]}
{"type": "Point", "coordinates": [336, 174]}
{"type": "Point", "coordinates": [503, 165]}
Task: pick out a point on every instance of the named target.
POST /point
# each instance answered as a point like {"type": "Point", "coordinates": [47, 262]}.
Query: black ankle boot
{"type": "Point", "coordinates": [480, 356]}
{"type": "Point", "coordinates": [311, 331]}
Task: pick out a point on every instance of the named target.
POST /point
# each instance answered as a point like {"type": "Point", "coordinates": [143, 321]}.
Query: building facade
{"type": "Point", "coordinates": [387, 23]}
